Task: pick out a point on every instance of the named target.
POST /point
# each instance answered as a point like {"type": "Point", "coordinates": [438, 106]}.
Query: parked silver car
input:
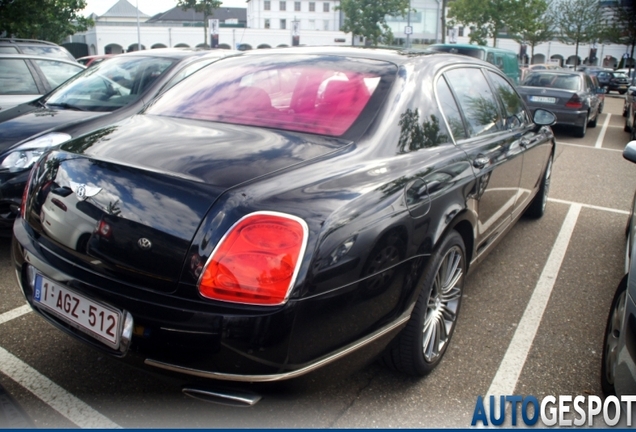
{"type": "Point", "coordinates": [24, 77]}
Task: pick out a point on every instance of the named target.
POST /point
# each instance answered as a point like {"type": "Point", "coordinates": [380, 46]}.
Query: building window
{"type": "Point", "coordinates": [267, 5]}
{"type": "Point", "coordinates": [283, 24]}
{"type": "Point", "coordinates": [266, 23]}
{"type": "Point", "coordinates": [461, 31]}
{"type": "Point", "coordinates": [325, 7]}
{"type": "Point", "coordinates": [312, 6]}
{"type": "Point", "coordinates": [297, 6]}
{"type": "Point", "coordinates": [325, 25]}
{"type": "Point", "coordinates": [283, 6]}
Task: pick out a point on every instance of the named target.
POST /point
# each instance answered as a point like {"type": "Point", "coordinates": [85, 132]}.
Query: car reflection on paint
{"type": "Point", "coordinates": [286, 210]}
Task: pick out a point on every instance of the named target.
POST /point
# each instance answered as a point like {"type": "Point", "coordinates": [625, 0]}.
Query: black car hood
{"type": "Point", "coordinates": [127, 200]}
{"type": "Point", "coordinates": [26, 120]}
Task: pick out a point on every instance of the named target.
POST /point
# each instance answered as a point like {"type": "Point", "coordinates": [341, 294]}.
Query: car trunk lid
{"type": "Point", "coordinates": [127, 200]}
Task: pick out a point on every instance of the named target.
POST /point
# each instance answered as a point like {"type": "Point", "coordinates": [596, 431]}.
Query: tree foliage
{"type": "Point", "coordinates": [486, 18]}
{"type": "Point", "coordinates": [205, 6]}
{"type": "Point", "coordinates": [50, 20]}
{"type": "Point", "coordinates": [368, 17]}
{"type": "Point", "coordinates": [620, 25]}
{"type": "Point", "coordinates": [531, 23]}
{"type": "Point", "coordinates": [578, 21]}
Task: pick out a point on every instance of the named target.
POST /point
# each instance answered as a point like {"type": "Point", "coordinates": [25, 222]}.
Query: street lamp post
{"type": "Point", "coordinates": [138, 32]}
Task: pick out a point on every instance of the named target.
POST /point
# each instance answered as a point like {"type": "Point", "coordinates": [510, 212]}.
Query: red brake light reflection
{"type": "Point", "coordinates": [257, 261]}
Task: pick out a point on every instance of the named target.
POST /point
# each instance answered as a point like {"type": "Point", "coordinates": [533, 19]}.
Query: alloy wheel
{"type": "Point", "coordinates": [443, 304]}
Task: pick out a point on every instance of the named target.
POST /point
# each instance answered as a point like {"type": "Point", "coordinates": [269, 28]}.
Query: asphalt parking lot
{"type": "Point", "coordinates": [566, 266]}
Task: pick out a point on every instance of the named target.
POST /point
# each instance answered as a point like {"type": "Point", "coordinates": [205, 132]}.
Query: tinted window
{"type": "Point", "coordinates": [16, 78]}
{"type": "Point", "coordinates": [476, 100]}
{"type": "Point", "coordinates": [300, 93]}
{"type": "Point", "coordinates": [57, 72]}
{"type": "Point", "coordinates": [112, 84]}
{"type": "Point", "coordinates": [187, 71]}
{"type": "Point", "coordinates": [450, 109]}
{"type": "Point", "coordinates": [514, 111]}
{"type": "Point", "coordinates": [8, 50]}
{"type": "Point", "coordinates": [553, 80]}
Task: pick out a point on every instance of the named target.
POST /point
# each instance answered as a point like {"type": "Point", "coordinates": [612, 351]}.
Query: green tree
{"type": "Point", "coordinates": [486, 18]}
{"type": "Point", "coordinates": [620, 26]}
{"type": "Point", "coordinates": [205, 6]}
{"type": "Point", "coordinates": [531, 23]}
{"type": "Point", "coordinates": [578, 21]}
{"type": "Point", "coordinates": [368, 17]}
{"type": "Point", "coordinates": [50, 20]}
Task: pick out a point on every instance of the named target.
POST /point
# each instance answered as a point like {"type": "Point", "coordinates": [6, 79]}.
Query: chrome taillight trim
{"type": "Point", "coordinates": [301, 255]}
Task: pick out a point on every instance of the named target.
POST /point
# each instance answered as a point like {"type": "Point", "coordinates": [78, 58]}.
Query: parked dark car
{"type": "Point", "coordinates": [630, 112]}
{"type": "Point", "coordinates": [25, 77]}
{"type": "Point", "coordinates": [283, 210]}
{"type": "Point", "coordinates": [618, 366]}
{"type": "Point", "coordinates": [34, 47]}
{"type": "Point", "coordinates": [99, 96]}
{"type": "Point", "coordinates": [611, 80]}
{"type": "Point", "coordinates": [572, 96]}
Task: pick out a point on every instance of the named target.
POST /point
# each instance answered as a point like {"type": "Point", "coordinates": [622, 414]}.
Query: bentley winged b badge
{"type": "Point", "coordinates": [84, 191]}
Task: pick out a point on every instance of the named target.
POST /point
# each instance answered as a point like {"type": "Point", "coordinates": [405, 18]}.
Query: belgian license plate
{"type": "Point", "coordinates": [543, 99]}
{"type": "Point", "coordinates": [94, 318]}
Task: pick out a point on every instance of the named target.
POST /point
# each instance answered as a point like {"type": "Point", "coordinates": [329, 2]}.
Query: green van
{"type": "Point", "coordinates": [505, 60]}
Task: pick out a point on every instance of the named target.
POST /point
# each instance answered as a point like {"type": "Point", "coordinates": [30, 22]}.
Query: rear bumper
{"type": "Point", "coordinates": [203, 338]}
{"type": "Point", "coordinates": [566, 117]}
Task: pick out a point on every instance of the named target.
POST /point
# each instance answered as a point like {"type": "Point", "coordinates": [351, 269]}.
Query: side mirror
{"type": "Point", "coordinates": [629, 152]}
{"type": "Point", "coordinates": [543, 117]}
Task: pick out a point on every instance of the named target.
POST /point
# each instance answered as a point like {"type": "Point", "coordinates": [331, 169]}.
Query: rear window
{"type": "Point", "coordinates": [472, 52]}
{"type": "Point", "coordinates": [322, 95]}
{"type": "Point", "coordinates": [47, 51]}
{"type": "Point", "coordinates": [557, 81]}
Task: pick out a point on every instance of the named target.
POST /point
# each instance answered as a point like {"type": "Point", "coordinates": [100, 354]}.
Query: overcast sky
{"type": "Point", "coordinates": [149, 7]}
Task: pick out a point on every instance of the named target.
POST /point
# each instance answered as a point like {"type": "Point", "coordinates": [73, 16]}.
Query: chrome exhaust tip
{"type": "Point", "coordinates": [227, 397]}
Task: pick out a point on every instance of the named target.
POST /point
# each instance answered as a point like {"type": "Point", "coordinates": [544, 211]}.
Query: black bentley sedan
{"type": "Point", "coordinates": [256, 223]}
{"type": "Point", "coordinates": [95, 98]}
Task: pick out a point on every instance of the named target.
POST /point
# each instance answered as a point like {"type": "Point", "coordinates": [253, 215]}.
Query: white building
{"type": "Point", "coordinates": [272, 23]}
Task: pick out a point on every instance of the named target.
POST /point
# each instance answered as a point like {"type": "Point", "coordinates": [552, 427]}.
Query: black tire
{"type": "Point", "coordinates": [592, 123]}
{"type": "Point", "coordinates": [626, 128]}
{"type": "Point", "coordinates": [579, 131]}
{"type": "Point", "coordinates": [421, 345]}
{"type": "Point", "coordinates": [632, 136]}
{"type": "Point", "coordinates": [622, 92]}
{"type": "Point", "coordinates": [613, 329]}
{"type": "Point", "coordinates": [536, 209]}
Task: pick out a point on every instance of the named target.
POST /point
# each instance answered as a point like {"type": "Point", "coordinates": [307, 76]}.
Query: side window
{"type": "Point", "coordinates": [8, 50]}
{"type": "Point", "coordinates": [57, 72]}
{"type": "Point", "coordinates": [450, 110]}
{"type": "Point", "coordinates": [477, 101]}
{"type": "Point", "coordinates": [515, 114]}
{"type": "Point", "coordinates": [16, 78]}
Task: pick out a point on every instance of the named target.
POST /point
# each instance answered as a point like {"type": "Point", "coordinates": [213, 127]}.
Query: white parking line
{"type": "Point", "coordinates": [607, 209]}
{"type": "Point", "coordinates": [510, 368]}
{"type": "Point", "coordinates": [53, 395]}
{"type": "Point", "coordinates": [601, 136]}
{"type": "Point", "coordinates": [588, 147]}
{"type": "Point", "coordinates": [15, 313]}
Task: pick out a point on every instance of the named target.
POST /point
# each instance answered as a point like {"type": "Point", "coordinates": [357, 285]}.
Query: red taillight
{"type": "Point", "coordinates": [103, 229]}
{"type": "Point", "coordinates": [25, 193]}
{"type": "Point", "coordinates": [257, 261]}
{"type": "Point", "coordinates": [574, 102]}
